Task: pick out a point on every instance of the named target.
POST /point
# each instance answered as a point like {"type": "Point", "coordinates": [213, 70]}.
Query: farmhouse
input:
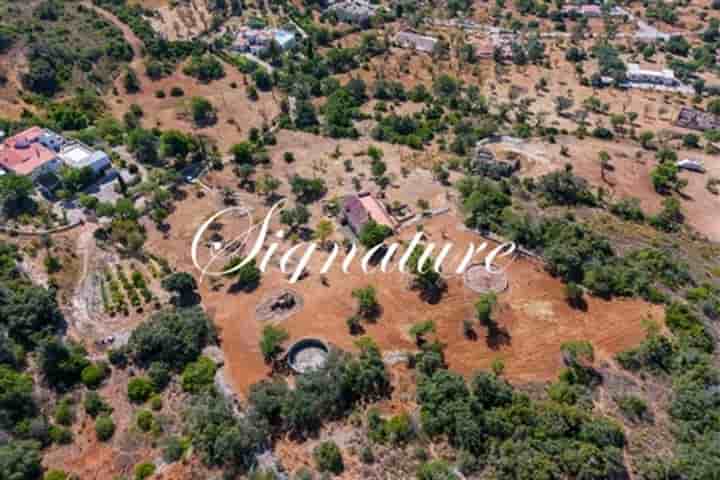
{"type": "Point", "coordinates": [257, 41]}
{"type": "Point", "coordinates": [584, 10]}
{"type": "Point", "coordinates": [421, 43]}
{"type": "Point", "coordinates": [664, 77]}
{"type": "Point", "coordinates": [30, 153]}
{"type": "Point", "coordinates": [697, 119]}
{"type": "Point", "coordinates": [354, 11]}
{"type": "Point", "coordinates": [358, 210]}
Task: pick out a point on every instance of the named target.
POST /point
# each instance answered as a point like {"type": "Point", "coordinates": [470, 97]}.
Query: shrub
{"type": "Point", "coordinates": [94, 405]}
{"type": "Point", "coordinates": [174, 449]}
{"type": "Point", "coordinates": [632, 407]}
{"type": "Point", "coordinates": [93, 375]}
{"type": "Point", "coordinates": [156, 402]}
{"type": "Point", "coordinates": [144, 420]}
{"type": "Point", "coordinates": [139, 389]}
{"type": "Point", "coordinates": [328, 458]}
{"type": "Point", "coordinates": [436, 470]}
{"type": "Point", "coordinates": [104, 428]}
{"type": "Point", "coordinates": [271, 342]}
{"type": "Point", "coordinates": [144, 470]}
{"type": "Point", "coordinates": [176, 92]}
{"type": "Point", "coordinates": [199, 375]}
{"type": "Point", "coordinates": [55, 475]}
{"type": "Point", "coordinates": [64, 414]}
{"type": "Point", "coordinates": [60, 435]}
{"type": "Point", "coordinates": [159, 375]}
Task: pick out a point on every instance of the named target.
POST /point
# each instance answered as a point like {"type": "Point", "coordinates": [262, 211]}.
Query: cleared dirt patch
{"type": "Point", "coordinates": [533, 318]}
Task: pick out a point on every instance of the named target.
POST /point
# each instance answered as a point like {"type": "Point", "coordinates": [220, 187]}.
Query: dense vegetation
{"type": "Point", "coordinates": [74, 39]}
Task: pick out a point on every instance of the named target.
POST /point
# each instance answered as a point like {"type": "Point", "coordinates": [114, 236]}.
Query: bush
{"type": "Point", "coordinates": [159, 375]}
{"type": "Point", "coordinates": [436, 470]}
{"type": "Point", "coordinates": [174, 449]}
{"type": "Point", "coordinates": [94, 405]}
{"type": "Point", "coordinates": [139, 389]}
{"type": "Point", "coordinates": [55, 475]}
{"type": "Point", "coordinates": [205, 68]}
{"type": "Point", "coordinates": [199, 375]}
{"type": "Point", "coordinates": [176, 92]}
{"type": "Point", "coordinates": [156, 402]}
{"type": "Point", "coordinates": [144, 420]}
{"type": "Point", "coordinates": [104, 428]}
{"type": "Point", "coordinates": [64, 414]}
{"type": "Point", "coordinates": [328, 458]}
{"type": "Point", "coordinates": [93, 375]}
{"type": "Point", "coordinates": [144, 470]}
{"type": "Point", "coordinates": [60, 435]}
{"type": "Point", "coordinates": [632, 407]}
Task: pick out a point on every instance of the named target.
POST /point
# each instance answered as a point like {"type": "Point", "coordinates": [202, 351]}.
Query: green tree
{"type": "Point", "coordinates": [20, 460]}
{"type": "Point", "coordinates": [15, 191]}
{"type": "Point", "coordinates": [373, 234]}
{"type": "Point", "coordinates": [368, 306]}
{"type": "Point", "coordinates": [202, 112]}
{"type": "Point", "coordinates": [484, 307]}
{"type": "Point", "coordinates": [139, 389]}
{"type": "Point", "coordinates": [131, 81]}
{"type": "Point", "coordinates": [243, 153]}
{"type": "Point", "coordinates": [104, 428]}
{"type": "Point", "coordinates": [665, 178]}
{"type": "Point", "coordinates": [247, 277]}
{"type": "Point", "coordinates": [144, 145]}
{"type": "Point", "coordinates": [295, 217]}
{"type": "Point", "coordinates": [271, 341]}
{"type": "Point", "coordinates": [173, 336]}
{"type": "Point", "coordinates": [184, 286]}
{"type": "Point", "coordinates": [328, 458]}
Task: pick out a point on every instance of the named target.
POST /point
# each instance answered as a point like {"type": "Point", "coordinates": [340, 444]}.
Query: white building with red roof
{"type": "Point", "coordinates": [31, 153]}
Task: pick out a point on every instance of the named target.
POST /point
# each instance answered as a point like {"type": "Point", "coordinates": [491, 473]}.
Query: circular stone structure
{"type": "Point", "coordinates": [307, 354]}
{"type": "Point", "coordinates": [479, 280]}
{"type": "Point", "coordinates": [279, 305]}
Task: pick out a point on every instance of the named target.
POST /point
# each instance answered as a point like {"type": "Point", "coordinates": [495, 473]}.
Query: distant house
{"type": "Point", "coordinates": [697, 119]}
{"type": "Point", "coordinates": [421, 43]}
{"type": "Point", "coordinates": [354, 11]}
{"type": "Point", "coordinates": [77, 155]}
{"type": "Point", "coordinates": [584, 10]}
{"type": "Point", "coordinates": [257, 41]}
{"type": "Point", "coordinates": [358, 210]}
{"type": "Point", "coordinates": [664, 77]}
{"type": "Point", "coordinates": [484, 49]}
{"type": "Point", "coordinates": [691, 164]}
{"type": "Point", "coordinates": [30, 153]}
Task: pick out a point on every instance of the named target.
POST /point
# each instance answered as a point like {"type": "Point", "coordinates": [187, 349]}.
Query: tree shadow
{"type": "Point", "coordinates": [238, 287]}
{"type": "Point", "coordinates": [497, 336]}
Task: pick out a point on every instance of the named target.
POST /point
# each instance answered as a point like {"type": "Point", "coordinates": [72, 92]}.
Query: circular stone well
{"type": "Point", "coordinates": [479, 280]}
{"type": "Point", "coordinates": [307, 354]}
{"type": "Point", "coordinates": [279, 305]}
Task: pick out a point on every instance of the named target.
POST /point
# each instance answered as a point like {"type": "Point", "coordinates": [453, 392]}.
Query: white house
{"type": "Point", "coordinates": [77, 155]}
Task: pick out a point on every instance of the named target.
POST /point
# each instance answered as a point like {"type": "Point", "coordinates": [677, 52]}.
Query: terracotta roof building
{"type": "Point", "coordinates": [421, 43]}
{"type": "Point", "coordinates": [358, 210]}
{"type": "Point", "coordinates": [25, 153]}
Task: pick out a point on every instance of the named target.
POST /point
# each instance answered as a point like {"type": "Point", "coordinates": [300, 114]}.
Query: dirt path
{"type": "Point", "coordinates": [135, 43]}
{"type": "Point", "coordinates": [81, 316]}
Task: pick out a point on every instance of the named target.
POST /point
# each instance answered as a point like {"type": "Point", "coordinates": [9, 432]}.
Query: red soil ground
{"type": "Point", "coordinates": [532, 312]}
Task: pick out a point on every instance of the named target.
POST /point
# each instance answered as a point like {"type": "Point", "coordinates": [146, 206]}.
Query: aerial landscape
{"type": "Point", "coordinates": [359, 239]}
